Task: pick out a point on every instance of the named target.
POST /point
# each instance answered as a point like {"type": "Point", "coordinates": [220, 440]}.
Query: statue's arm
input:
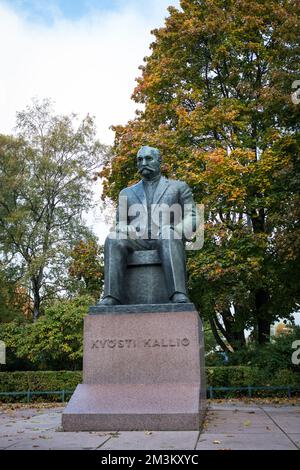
{"type": "Point", "coordinates": [119, 212]}
{"type": "Point", "coordinates": [122, 220]}
{"type": "Point", "coordinates": [189, 222]}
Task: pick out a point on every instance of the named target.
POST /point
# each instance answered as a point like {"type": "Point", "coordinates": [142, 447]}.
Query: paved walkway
{"type": "Point", "coordinates": [227, 426]}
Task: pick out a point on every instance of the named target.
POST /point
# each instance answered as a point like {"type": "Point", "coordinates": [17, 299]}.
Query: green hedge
{"type": "Point", "coordinates": [221, 376]}
{"type": "Point", "coordinates": [39, 380]}
{"type": "Point", "coordinates": [242, 376]}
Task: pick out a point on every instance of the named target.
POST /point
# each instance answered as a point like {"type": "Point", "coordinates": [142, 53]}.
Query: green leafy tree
{"type": "Point", "coordinates": [216, 91]}
{"type": "Point", "coordinates": [54, 341]}
{"type": "Point", "coordinates": [45, 185]}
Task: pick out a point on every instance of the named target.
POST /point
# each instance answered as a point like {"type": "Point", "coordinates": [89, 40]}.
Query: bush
{"type": "Point", "coordinates": [233, 376]}
{"type": "Point", "coordinates": [271, 357]}
{"type": "Point", "coordinates": [286, 377]}
{"type": "Point", "coordinates": [38, 381]}
{"type": "Point", "coordinates": [243, 376]}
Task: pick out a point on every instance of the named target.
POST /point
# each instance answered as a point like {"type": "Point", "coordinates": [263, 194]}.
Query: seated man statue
{"type": "Point", "coordinates": [156, 213]}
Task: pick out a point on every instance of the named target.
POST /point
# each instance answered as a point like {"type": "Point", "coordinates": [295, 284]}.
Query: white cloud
{"type": "Point", "coordinates": [88, 65]}
{"type": "Point", "coordinates": [85, 66]}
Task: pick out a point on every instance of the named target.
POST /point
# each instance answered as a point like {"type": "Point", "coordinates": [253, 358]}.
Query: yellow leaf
{"type": "Point", "coordinates": [247, 423]}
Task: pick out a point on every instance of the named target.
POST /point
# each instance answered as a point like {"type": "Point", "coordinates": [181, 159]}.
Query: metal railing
{"type": "Point", "coordinates": [31, 393]}
{"type": "Point", "coordinates": [250, 389]}
{"type": "Point", "coordinates": [289, 389]}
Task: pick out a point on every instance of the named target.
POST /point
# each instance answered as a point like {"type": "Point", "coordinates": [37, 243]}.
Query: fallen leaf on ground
{"type": "Point", "coordinates": [114, 434]}
{"type": "Point", "coordinates": [261, 401]}
{"type": "Point", "coordinates": [247, 423]}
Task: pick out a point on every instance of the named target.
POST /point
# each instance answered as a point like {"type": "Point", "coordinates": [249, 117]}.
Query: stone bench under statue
{"type": "Point", "coordinates": [144, 268]}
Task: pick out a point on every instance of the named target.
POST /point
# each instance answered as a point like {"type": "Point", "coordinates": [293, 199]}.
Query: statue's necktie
{"type": "Point", "coordinates": [150, 187]}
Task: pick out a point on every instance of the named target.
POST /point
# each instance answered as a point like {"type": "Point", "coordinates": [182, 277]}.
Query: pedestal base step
{"type": "Point", "coordinates": [134, 407]}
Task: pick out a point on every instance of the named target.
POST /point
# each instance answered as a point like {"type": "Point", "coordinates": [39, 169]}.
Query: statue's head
{"type": "Point", "coordinates": [148, 162]}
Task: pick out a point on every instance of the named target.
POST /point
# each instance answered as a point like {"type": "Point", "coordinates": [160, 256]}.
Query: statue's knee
{"type": "Point", "coordinates": [113, 240]}
{"type": "Point", "coordinates": [109, 239]}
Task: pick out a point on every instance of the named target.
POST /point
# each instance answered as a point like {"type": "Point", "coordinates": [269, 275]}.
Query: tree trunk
{"type": "Point", "coordinates": [217, 336]}
{"type": "Point", "coordinates": [36, 302]}
{"type": "Point", "coordinates": [263, 331]}
{"type": "Point", "coordinates": [235, 337]}
{"type": "Point", "coordinates": [36, 282]}
{"type": "Point", "coordinates": [263, 323]}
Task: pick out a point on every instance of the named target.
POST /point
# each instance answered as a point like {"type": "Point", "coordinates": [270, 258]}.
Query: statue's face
{"type": "Point", "coordinates": [148, 164]}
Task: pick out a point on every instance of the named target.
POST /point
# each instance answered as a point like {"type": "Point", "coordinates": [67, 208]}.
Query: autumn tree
{"type": "Point", "coordinates": [87, 267]}
{"type": "Point", "coordinates": [216, 91]}
{"type": "Point", "coordinates": [14, 300]}
{"type": "Point", "coordinates": [46, 175]}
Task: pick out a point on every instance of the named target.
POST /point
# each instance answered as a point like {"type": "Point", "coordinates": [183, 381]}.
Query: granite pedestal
{"type": "Point", "coordinates": [143, 369]}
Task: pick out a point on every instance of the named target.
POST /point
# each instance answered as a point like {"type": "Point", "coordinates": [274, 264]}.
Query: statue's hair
{"type": "Point", "coordinates": [153, 151]}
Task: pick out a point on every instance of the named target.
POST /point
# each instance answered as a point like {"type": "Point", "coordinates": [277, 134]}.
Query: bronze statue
{"type": "Point", "coordinates": [156, 213]}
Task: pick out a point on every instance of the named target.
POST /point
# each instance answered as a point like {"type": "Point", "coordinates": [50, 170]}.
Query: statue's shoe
{"type": "Point", "coordinates": [179, 298]}
{"type": "Point", "coordinates": [109, 301]}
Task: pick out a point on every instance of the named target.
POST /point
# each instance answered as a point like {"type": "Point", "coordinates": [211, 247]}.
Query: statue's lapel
{"type": "Point", "coordinates": [161, 188]}
{"type": "Point", "coordinates": [140, 193]}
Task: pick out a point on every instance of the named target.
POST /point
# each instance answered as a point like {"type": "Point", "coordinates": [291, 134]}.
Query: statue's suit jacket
{"type": "Point", "coordinates": [133, 210]}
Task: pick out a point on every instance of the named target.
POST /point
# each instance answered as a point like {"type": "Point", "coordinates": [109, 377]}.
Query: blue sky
{"type": "Point", "coordinates": [46, 11]}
